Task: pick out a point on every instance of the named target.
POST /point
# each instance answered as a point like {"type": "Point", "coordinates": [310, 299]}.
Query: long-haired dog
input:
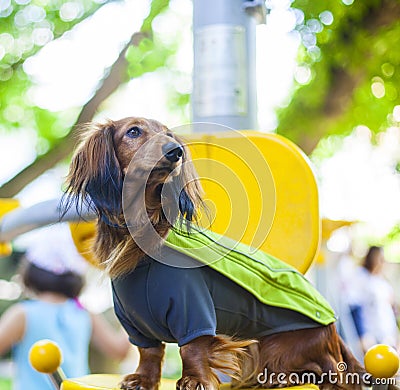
{"type": "Point", "coordinates": [160, 188]}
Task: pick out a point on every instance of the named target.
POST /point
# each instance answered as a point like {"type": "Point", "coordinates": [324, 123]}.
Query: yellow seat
{"type": "Point", "coordinates": [103, 382]}
{"type": "Point", "coordinates": [107, 382]}
{"type": "Point", "coordinates": [260, 190]}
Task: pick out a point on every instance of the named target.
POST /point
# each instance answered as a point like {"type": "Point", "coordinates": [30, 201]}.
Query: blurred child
{"type": "Point", "coordinates": [52, 272]}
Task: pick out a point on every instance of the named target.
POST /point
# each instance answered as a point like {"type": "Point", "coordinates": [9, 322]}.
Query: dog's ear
{"type": "Point", "coordinates": [191, 193]}
{"type": "Point", "coordinates": [95, 178]}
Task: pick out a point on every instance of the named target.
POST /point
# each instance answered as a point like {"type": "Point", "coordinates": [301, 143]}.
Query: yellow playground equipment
{"type": "Point", "coordinates": [381, 363]}
{"type": "Point", "coordinates": [260, 190]}
{"type": "Point", "coordinates": [6, 205]}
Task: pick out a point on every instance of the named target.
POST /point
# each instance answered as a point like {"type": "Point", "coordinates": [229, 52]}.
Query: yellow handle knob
{"type": "Point", "coordinates": [45, 356]}
{"type": "Point", "coordinates": [5, 249]}
{"type": "Point", "coordinates": [381, 361]}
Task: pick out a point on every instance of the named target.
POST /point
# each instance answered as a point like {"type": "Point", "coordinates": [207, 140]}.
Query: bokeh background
{"type": "Point", "coordinates": [328, 78]}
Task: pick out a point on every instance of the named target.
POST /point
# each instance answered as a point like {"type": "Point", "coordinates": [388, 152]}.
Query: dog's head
{"type": "Point", "coordinates": [141, 159]}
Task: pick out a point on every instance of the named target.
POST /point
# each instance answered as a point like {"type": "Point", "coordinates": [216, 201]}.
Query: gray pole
{"type": "Point", "coordinates": [23, 220]}
{"type": "Point", "coordinates": [224, 74]}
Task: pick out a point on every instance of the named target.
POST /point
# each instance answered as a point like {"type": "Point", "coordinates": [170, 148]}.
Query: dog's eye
{"type": "Point", "coordinates": [134, 132]}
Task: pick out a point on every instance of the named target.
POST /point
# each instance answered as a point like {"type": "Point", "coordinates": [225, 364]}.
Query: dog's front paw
{"type": "Point", "coordinates": [138, 382]}
{"type": "Point", "coordinates": [194, 383]}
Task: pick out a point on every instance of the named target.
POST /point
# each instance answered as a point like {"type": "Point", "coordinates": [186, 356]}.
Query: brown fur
{"type": "Point", "coordinates": [148, 373]}
{"type": "Point", "coordinates": [103, 144]}
{"type": "Point", "coordinates": [98, 170]}
{"type": "Point", "coordinates": [204, 355]}
{"type": "Point", "coordinates": [314, 351]}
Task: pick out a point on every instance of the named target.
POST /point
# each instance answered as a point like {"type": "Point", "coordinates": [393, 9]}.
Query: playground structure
{"type": "Point", "coordinates": [284, 207]}
{"type": "Point", "coordinates": [381, 362]}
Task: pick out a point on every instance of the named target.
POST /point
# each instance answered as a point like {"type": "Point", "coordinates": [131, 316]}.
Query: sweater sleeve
{"type": "Point", "coordinates": [187, 309]}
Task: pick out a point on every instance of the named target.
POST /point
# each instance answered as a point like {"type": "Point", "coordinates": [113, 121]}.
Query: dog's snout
{"type": "Point", "coordinates": [172, 151]}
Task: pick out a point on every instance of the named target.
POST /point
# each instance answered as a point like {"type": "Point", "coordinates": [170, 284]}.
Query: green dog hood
{"type": "Point", "coordinates": [269, 279]}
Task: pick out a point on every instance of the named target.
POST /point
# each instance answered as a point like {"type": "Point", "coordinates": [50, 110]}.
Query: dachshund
{"type": "Point", "coordinates": [137, 176]}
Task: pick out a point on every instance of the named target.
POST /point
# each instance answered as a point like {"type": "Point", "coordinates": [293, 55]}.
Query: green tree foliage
{"type": "Point", "coordinates": [349, 50]}
{"type": "Point", "coordinates": [142, 54]}
{"type": "Point", "coordinates": [25, 27]}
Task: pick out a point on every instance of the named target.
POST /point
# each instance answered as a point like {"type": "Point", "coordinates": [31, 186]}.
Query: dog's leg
{"type": "Point", "coordinates": [207, 353]}
{"type": "Point", "coordinates": [196, 372]}
{"type": "Point", "coordinates": [148, 373]}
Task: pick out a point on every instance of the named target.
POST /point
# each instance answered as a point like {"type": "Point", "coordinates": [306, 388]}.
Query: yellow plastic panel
{"type": "Point", "coordinates": [239, 187]}
{"type": "Point", "coordinates": [263, 193]}
{"type": "Point", "coordinates": [110, 382]}
{"type": "Point", "coordinates": [83, 234]}
{"type": "Point", "coordinates": [7, 204]}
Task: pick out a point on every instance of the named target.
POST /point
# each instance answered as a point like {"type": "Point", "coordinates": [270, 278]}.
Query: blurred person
{"type": "Point", "coordinates": [373, 301]}
{"type": "Point", "coordinates": [52, 272]}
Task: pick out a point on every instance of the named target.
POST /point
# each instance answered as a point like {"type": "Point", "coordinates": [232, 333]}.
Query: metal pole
{"type": "Point", "coordinates": [57, 378]}
{"type": "Point", "coordinates": [23, 220]}
{"type": "Point", "coordinates": [224, 74]}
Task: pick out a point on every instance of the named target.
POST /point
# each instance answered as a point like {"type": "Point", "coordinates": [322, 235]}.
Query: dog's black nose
{"type": "Point", "coordinates": [172, 151]}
